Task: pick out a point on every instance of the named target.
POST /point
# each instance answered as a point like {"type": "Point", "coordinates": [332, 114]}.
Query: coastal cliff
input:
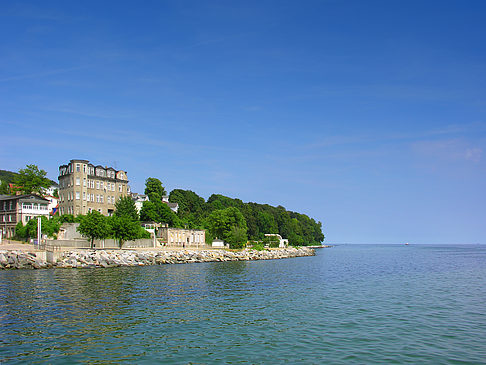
{"type": "Point", "coordinates": [115, 258]}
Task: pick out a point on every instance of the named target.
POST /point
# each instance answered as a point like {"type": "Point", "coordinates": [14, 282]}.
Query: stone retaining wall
{"type": "Point", "coordinates": [113, 258]}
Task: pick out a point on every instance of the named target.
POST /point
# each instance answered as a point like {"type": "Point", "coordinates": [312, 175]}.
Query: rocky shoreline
{"type": "Point", "coordinates": [114, 258]}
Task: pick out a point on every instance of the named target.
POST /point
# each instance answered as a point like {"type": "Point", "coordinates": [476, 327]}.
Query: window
{"type": "Point", "coordinates": [84, 181]}
{"type": "Point", "coordinates": [77, 195]}
{"type": "Point", "coordinates": [77, 181]}
{"type": "Point", "coordinates": [97, 185]}
{"type": "Point", "coordinates": [101, 198]}
{"type": "Point", "coordinates": [97, 198]}
{"type": "Point", "coordinates": [78, 168]}
{"type": "Point", "coordinates": [84, 169]}
{"type": "Point", "coordinates": [101, 185]}
{"type": "Point", "coordinates": [84, 195]}
{"type": "Point", "coordinates": [120, 188]}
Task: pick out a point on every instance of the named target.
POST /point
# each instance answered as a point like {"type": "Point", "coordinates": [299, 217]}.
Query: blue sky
{"type": "Point", "coordinates": [366, 115]}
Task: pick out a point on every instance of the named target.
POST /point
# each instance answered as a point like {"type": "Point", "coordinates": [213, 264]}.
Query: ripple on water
{"type": "Point", "coordinates": [349, 304]}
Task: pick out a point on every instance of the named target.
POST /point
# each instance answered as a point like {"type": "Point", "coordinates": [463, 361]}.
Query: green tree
{"type": "Point", "coordinates": [31, 180]}
{"type": "Point", "coordinates": [125, 207]}
{"type": "Point", "coordinates": [94, 226]}
{"type": "Point", "coordinates": [149, 212]}
{"type": "Point", "coordinates": [156, 211]}
{"type": "Point", "coordinates": [49, 227]}
{"type": "Point", "coordinates": [123, 228]}
{"type": "Point", "coordinates": [66, 218]}
{"type": "Point", "coordinates": [20, 231]}
{"type": "Point", "coordinates": [154, 189]}
{"type": "Point", "coordinates": [4, 187]}
{"type": "Point", "coordinates": [229, 225]}
{"type": "Point", "coordinates": [192, 208]}
{"type": "Point", "coordinates": [237, 237]}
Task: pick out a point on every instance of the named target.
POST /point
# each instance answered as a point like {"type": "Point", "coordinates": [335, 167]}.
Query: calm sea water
{"type": "Point", "coordinates": [349, 304]}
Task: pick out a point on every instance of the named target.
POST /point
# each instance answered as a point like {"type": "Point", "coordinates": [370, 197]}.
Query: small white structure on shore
{"type": "Point", "coordinates": [282, 242]}
{"type": "Point", "coordinates": [217, 243]}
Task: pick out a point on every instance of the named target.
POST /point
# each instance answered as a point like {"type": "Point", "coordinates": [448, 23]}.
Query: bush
{"type": "Point", "coordinates": [258, 246]}
{"type": "Point", "coordinates": [20, 232]}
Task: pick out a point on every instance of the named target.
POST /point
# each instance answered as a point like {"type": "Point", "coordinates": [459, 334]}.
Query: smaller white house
{"type": "Point", "coordinates": [173, 206]}
{"type": "Point", "coordinates": [217, 243]}
{"type": "Point", "coordinates": [53, 204]}
{"type": "Point", "coordinates": [50, 190]}
{"type": "Point", "coordinates": [138, 199]}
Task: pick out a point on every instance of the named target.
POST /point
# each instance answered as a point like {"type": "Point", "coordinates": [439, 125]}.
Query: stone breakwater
{"type": "Point", "coordinates": [115, 258]}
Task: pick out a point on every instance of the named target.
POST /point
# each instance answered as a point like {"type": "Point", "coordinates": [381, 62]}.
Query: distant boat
{"type": "Point", "coordinates": [406, 244]}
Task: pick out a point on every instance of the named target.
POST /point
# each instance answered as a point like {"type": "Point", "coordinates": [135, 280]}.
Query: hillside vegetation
{"type": "Point", "coordinates": [9, 177]}
{"type": "Point", "coordinates": [300, 229]}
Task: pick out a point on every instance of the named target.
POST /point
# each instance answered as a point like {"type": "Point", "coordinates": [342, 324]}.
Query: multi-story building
{"type": "Point", "coordinates": [20, 208]}
{"type": "Point", "coordinates": [84, 187]}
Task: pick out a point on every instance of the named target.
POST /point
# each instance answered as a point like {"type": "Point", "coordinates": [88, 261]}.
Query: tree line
{"type": "Point", "coordinates": [235, 221]}
{"type": "Point", "coordinates": [228, 219]}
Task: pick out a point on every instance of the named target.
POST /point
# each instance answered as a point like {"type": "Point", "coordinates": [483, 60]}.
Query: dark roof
{"type": "Point", "coordinates": [24, 198]}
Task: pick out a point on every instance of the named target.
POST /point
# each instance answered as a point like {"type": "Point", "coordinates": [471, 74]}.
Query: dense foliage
{"type": "Point", "coordinates": [125, 207]}
{"type": "Point", "coordinates": [154, 188]}
{"type": "Point", "coordinates": [94, 225]}
{"type": "Point", "coordinates": [259, 218]}
{"type": "Point", "coordinates": [154, 210]}
{"type": "Point", "coordinates": [31, 179]}
{"type": "Point", "coordinates": [8, 177]}
{"type": "Point", "coordinates": [49, 227]}
{"type": "Point", "coordinates": [228, 224]}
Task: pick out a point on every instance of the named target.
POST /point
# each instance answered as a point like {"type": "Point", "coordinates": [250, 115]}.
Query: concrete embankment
{"type": "Point", "coordinates": [114, 258]}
